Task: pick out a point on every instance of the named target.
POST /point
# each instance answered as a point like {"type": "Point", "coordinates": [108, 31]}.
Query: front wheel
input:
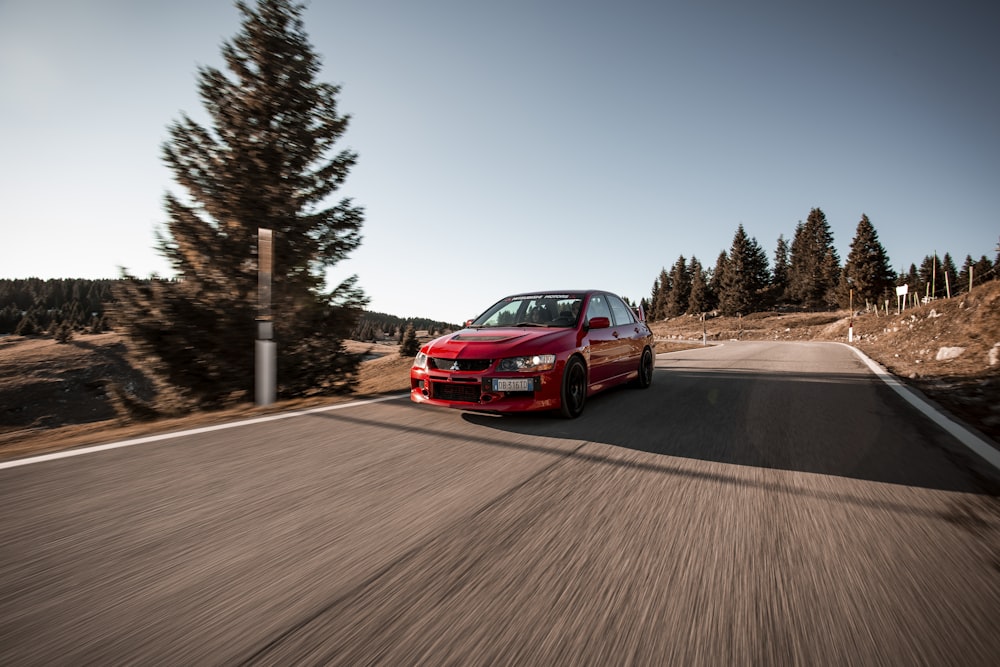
{"type": "Point", "coordinates": [574, 388]}
{"type": "Point", "coordinates": [645, 377]}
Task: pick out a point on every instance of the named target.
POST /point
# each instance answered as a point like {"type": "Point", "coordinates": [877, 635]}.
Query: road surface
{"type": "Point", "coordinates": [761, 504]}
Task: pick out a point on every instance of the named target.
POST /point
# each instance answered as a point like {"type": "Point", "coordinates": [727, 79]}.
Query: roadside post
{"type": "Point", "coordinates": [850, 328]}
{"type": "Point", "coordinates": [901, 292]}
{"type": "Point", "coordinates": [265, 349]}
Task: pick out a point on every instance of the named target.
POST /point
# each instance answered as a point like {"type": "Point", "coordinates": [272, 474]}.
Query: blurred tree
{"type": "Point", "coordinates": [267, 161]}
{"type": "Point", "coordinates": [984, 270]}
{"type": "Point", "coordinates": [63, 332]}
{"type": "Point", "coordinates": [410, 345]}
{"type": "Point", "coordinates": [867, 269]}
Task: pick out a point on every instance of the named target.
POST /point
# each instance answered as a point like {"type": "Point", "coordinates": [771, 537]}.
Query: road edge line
{"type": "Point", "coordinates": [976, 443]}
{"type": "Point", "coordinates": [67, 453]}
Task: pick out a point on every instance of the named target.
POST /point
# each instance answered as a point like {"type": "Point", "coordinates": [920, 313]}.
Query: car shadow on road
{"type": "Point", "coordinates": [494, 431]}
{"type": "Point", "coordinates": [845, 425]}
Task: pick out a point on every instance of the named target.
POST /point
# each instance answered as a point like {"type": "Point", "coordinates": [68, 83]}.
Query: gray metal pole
{"type": "Point", "coordinates": [265, 349]}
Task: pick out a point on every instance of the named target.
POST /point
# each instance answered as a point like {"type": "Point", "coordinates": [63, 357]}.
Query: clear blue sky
{"type": "Point", "coordinates": [524, 145]}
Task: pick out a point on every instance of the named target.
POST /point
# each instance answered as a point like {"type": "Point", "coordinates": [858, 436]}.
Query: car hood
{"type": "Point", "coordinates": [499, 342]}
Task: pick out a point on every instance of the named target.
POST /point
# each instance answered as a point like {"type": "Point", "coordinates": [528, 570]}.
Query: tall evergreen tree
{"type": "Point", "coordinates": [659, 309]}
{"type": "Point", "coordinates": [814, 269]}
{"type": "Point", "coordinates": [760, 272]}
{"type": "Point", "coordinates": [867, 270]}
{"type": "Point", "coordinates": [963, 273]}
{"type": "Point", "coordinates": [718, 274]}
{"type": "Point", "coordinates": [699, 301]}
{"type": "Point", "coordinates": [744, 276]}
{"type": "Point", "coordinates": [267, 161]}
{"type": "Point", "coordinates": [680, 292]}
{"type": "Point", "coordinates": [779, 277]}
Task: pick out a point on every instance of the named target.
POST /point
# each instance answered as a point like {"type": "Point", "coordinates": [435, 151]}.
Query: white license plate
{"type": "Point", "coordinates": [513, 384]}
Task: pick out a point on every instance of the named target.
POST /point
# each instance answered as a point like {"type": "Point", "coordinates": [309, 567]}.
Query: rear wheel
{"type": "Point", "coordinates": [645, 370]}
{"type": "Point", "coordinates": [574, 388]}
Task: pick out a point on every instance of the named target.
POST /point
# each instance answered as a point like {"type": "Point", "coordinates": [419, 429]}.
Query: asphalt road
{"type": "Point", "coordinates": [761, 504]}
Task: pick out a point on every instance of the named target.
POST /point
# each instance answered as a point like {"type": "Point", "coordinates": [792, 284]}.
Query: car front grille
{"type": "Point", "coordinates": [455, 391]}
{"type": "Point", "coordinates": [460, 364]}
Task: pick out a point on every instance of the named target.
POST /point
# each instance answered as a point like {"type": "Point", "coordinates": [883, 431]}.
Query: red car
{"type": "Point", "coordinates": [538, 351]}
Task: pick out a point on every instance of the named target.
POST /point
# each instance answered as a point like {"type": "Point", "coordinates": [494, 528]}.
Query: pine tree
{"type": "Point", "coordinates": [698, 301]}
{"type": "Point", "coordinates": [680, 293]}
{"type": "Point", "coordinates": [867, 270]}
{"type": "Point", "coordinates": [949, 276]}
{"type": "Point", "coordinates": [659, 309]}
{"type": "Point", "coordinates": [983, 270]}
{"type": "Point", "coordinates": [410, 345]}
{"type": "Point", "coordinates": [814, 268]}
{"type": "Point", "coordinates": [930, 278]}
{"type": "Point", "coordinates": [760, 272]}
{"type": "Point", "coordinates": [779, 278]}
{"type": "Point", "coordinates": [718, 274]}
{"type": "Point", "coordinates": [28, 326]}
{"type": "Point", "coordinates": [266, 162]}
{"type": "Point", "coordinates": [743, 277]}
{"type": "Point", "coordinates": [63, 332]}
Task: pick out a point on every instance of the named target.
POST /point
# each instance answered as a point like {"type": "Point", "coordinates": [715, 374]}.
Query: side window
{"type": "Point", "coordinates": [598, 307]}
{"type": "Point", "coordinates": [623, 314]}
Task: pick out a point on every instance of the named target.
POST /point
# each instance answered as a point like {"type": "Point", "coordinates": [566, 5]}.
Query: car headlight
{"type": "Point", "coordinates": [532, 364]}
{"type": "Point", "coordinates": [420, 361]}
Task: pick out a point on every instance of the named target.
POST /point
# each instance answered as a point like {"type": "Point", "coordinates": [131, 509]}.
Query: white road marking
{"type": "Point", "coordinates": [194, 431]}
{"type": "Point", "coordinates": [971, 440]}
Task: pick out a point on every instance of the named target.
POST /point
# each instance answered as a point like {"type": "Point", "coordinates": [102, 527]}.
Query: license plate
{"type": "Point", "coordinates": [513, 384]}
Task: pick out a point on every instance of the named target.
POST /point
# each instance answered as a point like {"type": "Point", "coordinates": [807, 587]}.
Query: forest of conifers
{"type": "Point", "coordinates": [62, 306]}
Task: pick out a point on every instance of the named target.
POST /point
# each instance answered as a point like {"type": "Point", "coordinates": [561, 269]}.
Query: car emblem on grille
{"type": "Point", "coordinates": [455, 366]}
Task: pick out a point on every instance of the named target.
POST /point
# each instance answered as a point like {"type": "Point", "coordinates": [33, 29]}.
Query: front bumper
{"type": "Point", "coordinates": [478, 391]}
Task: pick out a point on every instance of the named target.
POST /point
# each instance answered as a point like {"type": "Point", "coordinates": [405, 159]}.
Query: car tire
{"type": "Point", "coordinates": [574, 388]}
{"type": "Point", "coordinates": [646, 363]}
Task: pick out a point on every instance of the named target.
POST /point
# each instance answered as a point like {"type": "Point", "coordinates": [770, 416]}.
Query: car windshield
{"type": "Point", "coordinates": [543, 310]}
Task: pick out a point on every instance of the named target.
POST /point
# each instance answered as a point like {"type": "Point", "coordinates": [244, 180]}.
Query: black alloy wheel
{"type": "Point", "coordinates": [645, 370]}
{"type": "Point", "coordinates": [574, 388]}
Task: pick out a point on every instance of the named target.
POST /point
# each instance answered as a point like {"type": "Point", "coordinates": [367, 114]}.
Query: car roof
{"type": "Point", "coordinates": [550, 293]}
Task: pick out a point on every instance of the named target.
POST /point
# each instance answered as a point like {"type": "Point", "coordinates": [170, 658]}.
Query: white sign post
{"type": "Point", "coordinates": [901, 292]}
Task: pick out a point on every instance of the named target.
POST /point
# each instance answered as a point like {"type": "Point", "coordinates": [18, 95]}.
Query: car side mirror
{"type": "Point", "coordinates": [598, 323]}
{"type": "Point", "coordinates": [468, 323]}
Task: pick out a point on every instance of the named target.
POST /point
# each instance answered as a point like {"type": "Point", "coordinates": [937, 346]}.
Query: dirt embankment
{"type": "Point", "coordinates": [54, 396]}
